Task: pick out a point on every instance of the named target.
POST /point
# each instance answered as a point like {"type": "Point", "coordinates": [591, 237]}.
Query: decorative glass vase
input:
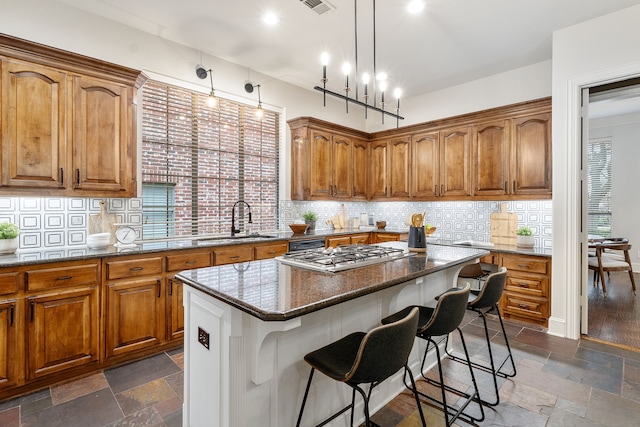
{"type": "Point", "coordinates": [8, 246]}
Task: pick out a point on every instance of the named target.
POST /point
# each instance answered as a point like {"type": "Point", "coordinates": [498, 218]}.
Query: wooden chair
{"type": "Point", "coordinates": [611, 255]}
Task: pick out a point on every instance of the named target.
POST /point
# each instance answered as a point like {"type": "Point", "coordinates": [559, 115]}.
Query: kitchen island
{"type": "Point", "coordinates": [249, 325]}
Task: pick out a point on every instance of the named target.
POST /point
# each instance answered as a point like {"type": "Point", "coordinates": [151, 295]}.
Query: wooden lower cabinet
{"type": "Point", "coordinates": [11, 350]}
{"type": "Point", "coordinates": [62, 330]}
{"type": "Point", "coordinates": [134, 315]}
{"type": "Point", "coordinates": [175, 310]}
{"type": "Point", "coordinates": [527, 291]}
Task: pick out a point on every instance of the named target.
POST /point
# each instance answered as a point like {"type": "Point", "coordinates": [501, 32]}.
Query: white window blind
{"type": "Point", "coordinates": [599, 186]}
{"type": "Point", "coordinates": [197, 161]}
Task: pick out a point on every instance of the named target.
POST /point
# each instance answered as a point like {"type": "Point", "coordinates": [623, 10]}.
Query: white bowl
{"type": "Point", "coordinates": [99, 240]}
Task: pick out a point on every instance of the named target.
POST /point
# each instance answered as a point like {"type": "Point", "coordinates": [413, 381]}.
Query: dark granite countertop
{"type": "Point", "coordinates": [272, 291]}
{"type": "Point", "coordinates": [535, 251]}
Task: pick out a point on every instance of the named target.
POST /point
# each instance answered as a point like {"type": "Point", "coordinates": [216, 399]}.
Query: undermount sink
{"type": "Point", "coordinates": [244, 236]}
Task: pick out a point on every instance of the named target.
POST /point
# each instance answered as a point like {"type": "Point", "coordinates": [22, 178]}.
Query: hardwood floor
{"type": "Point", "coordinates": [616, 318]}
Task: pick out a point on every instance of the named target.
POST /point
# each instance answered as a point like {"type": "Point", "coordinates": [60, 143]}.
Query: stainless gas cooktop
{"type": "Point", "coordinates": [342, 257]}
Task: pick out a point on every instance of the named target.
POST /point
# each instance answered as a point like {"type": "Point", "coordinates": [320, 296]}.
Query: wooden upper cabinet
{"type": "Point", "coordinates": [34, 126]}
{"type": "Point", "coordinates": [103, 151]}
{"type": "Point", "coordinates": [327, 162]}
{"type": "Point", "coordinates": [398, 171]}
{"type": "Point", "coordinates": [68, 123]}
{"type": "Point", "coordinates": [360, 169]}
{"type": "Point", "coordinates": [455, 162]}
{"type": "Point", "coordinates": [490, 154]}
{"type": "Point", "coordinates": [320, 173]}
{"type": "Point", "coordinates": [342, 167]}
{"type": "Point", "coordinates": [531, 155]}
{"type": "Point", "coordinates": [425, 165]}
{"type": "Point", "coordinates": [378, 180]}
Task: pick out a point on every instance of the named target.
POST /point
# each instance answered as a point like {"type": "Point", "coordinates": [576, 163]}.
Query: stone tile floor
{"type": "Point", "coordinates": [559, 382]}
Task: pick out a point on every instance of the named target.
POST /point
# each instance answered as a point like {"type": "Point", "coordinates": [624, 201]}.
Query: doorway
{"type": "Point", "coordinates": [611, 122]}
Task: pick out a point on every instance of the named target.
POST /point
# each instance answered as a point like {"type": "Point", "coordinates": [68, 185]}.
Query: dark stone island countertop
{"type": "Point", "coordinates": [272, 291]}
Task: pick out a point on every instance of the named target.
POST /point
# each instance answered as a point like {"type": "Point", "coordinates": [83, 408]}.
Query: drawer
{"type": "Point", "coordinates": [9, 283]}
{"type": "Point", "coordinates": [528, 284]}
{"type": "Point", "coordinates": [133, 268]}
{"type": "Point", "coordinates": [386, 237]}
{"type": "Point", "coordinates": [232, 255]}
{"type": "Point", "coordinates": [522, 305]}
{"type": "Point", "coordinates": [270, 251]}
{"type": "Point", "coordinates": [337, 241]}
{"type": "Point", "coordinates": [188, 261]}
{"type": "Point", "coordinates": [64, 276]}
{"type": "Point", "coordinates": [526, 263]}
{"type": "Point", "coordinates": [360, 239]}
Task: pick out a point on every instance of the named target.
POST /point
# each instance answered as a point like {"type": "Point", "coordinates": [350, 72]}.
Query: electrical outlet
{"type": "Point", "coordinates": [203, 337]}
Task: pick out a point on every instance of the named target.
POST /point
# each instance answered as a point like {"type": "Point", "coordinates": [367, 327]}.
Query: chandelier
{"type": "Point", "coordinates": [378, 82]}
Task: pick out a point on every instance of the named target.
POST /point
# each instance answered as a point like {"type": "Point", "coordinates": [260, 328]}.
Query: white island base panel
{"type": "Point", "coordinates": [253, 373]}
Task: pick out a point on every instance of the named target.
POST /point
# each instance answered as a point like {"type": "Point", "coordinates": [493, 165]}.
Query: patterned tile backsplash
{"type": "Point", "coordinates": [48, 222]}
{"type": "Point", "coordinates": [453, 220]}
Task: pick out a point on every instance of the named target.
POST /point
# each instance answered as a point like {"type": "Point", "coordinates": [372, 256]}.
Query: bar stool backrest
{"type": "Point", "coordinates": [384, 350]}
{"type": "Point", "coordinates": [491, 291]}
{"type": "Point", "coordinates": [449, 312]}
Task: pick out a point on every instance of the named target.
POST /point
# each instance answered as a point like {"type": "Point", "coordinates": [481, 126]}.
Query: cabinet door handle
{"type": "Point", "coordinates": [64, 278]}
{"type": "Point", "coordinates": [12, 314]}
{"type": "Point", "coordinates": [513, 190]}
{"type": "Point", "coordinates": [136, 269]}
{"type": "Point", "coordinates": [159, 284]}
{"type": "Point", "coordinates": [354, 191]}
{"type": "Point", "coordinates": [32, 303]}
{"type": "Point", "coordinates": [506, 187]}
{"type": "Point", "coordinates": [61, 176]}
{"type": "Point", "coordinates": [78, 177]}
{"type": "Point", "coordinates": [170, 287]}
{"type": "Point", "coordinates": [435, 190]}
{"type": "Point", "coordinates": [441, 189]}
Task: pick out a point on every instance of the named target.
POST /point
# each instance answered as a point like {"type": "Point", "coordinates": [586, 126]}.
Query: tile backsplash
{"type": "Point", "coordinates": [453, 220]}
{"type": "Point", "coordinates": [51, 222]}
{"type": "Point", "coordinates": [55, 222]}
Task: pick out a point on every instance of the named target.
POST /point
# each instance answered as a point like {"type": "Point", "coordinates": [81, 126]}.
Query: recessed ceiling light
{"type": "Point", "coordinates": [270, 18]}
{"type": "Point", "coordinates": [415, 6]}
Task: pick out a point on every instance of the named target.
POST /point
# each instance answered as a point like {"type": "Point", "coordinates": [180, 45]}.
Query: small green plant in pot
{"type": "Point", "coordinates": [524, 237]}
{"type": "Point", "coordinates": [8, 237]}
{"type": "Point", "coordinates": [310, 218]}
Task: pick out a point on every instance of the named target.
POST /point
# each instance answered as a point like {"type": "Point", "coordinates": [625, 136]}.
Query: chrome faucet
{"type": "Point", "coordinates": [235, 230]}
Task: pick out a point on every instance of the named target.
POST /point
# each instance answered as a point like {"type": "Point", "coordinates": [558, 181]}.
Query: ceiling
{"type": "Point", "coordinates": [450, 42]}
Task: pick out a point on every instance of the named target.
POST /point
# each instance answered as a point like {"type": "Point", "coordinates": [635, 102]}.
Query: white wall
{"type": "Point", "coordinates": [595, 52]}
{"type": "Point", "coordinates": [624, 132]}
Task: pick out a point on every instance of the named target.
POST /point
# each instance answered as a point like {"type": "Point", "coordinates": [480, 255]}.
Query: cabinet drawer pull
{"type": "Point", "coordinates": [193, 261]}
{"type": "Point", "coordinates": [12, 314]}
{"type": "Point", "coordinates": [136, 269]}
{"type": "Point", "coordinates": [64, 278]}
{"type": "Point", "coordinates": [32, 303]}
{"type": "Point", "coordinates": [523, 285]}
{"type": "Point", "coordinates": [234, 257]}
{"type": "Point", "coordinates": [523, 306]}
{"type": "Point", "coordinates": [523, 265]}
{"type": "Point", "coordinates": [271, 252]}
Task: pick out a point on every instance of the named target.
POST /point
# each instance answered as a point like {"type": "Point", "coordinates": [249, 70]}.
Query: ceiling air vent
{"type": "Point", "coordinates": [319, 6]}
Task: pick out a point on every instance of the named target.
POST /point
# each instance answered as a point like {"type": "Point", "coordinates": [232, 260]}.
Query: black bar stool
{"type": "Point", "coordinates": [438, 323]}
{"type": "Point", "coordinates": [366, 358]}
{"type": "Point", "coordinates": [482, 302]}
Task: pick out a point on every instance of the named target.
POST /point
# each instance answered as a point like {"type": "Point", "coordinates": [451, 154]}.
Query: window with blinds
{"type": "Point", "coordinates": [599, 186]}
{"type": "Point", "coordinates": [198, 161]}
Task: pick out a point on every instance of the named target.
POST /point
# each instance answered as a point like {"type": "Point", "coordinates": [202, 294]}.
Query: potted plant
{"type": "Point", "coordinates": [310, 218]}
{"type": "Point", "coordinates": [524, 237]}
{"type": "Point", "coordinates": [8, 237]}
